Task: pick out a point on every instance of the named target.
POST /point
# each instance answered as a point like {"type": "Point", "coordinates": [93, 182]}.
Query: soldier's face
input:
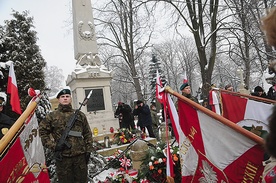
{"type": "Point", "coordinates": [187, 90]}
{"type": "Point", "coordinates": [65, 99]}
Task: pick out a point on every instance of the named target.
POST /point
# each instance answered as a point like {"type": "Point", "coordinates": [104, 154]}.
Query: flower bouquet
{"type": "Point", "coordinates": [125, 173]}
{"type": "Point", "coordinates": [123, 136]}
{"type": "Point", "coordinates": [153, 168]}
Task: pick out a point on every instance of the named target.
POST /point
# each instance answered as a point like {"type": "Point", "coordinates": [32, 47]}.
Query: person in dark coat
{"type": "Point", "coordinates": [144, 117]}
{"type": "Point", "coordinates": [271, 94]}
{"type": "Point", "coordinates": [259, 92]}
{"type": "Point", "coordinates": [155, 120]}
{"type": "Point", "coordinates": [126, 119]}
{"type": "Point", "coordinates": [5, 121]}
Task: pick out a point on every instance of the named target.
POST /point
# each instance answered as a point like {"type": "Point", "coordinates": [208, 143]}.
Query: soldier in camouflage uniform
{"type": "Point", "coordinates": [186, 91]}
{"type": "Point", "coordinates": [73, 166]}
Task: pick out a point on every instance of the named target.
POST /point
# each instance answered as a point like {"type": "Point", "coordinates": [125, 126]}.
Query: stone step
{"type": "Point", "coordinates": [110, 151]}
{"type": "Point", "coordinates": [100, 137]}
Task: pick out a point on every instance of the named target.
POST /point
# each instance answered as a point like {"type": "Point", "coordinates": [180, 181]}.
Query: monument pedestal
{"type": "Point", "coordinates": [89, 74]}
{"type": "Point", "coordinates": [99, 110]}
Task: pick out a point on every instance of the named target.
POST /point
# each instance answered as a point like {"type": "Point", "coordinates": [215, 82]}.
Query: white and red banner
{"type": "Point", "coordinates": [13, 91]}
{"type": "Point", "coordinates": [25, 160]}
{"type": "Point", "coordinates": [185, 79]}
{"type": "Point", "coordinates": [173, 116]}
{"type": "Point", "coordinates": [245, 111]}
{"type": "Point", "coordinates": [158, 88]}
{"type": "Point", "coordinates": [211, 151]}
{"type": "Point", "coordinates": [169, 162]}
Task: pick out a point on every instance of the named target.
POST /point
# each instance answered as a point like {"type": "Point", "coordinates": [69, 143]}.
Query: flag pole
{"type": "Point", "coordinates": [11, 134]}
{"type": "Point", "coordinates": [210, 113]}
{"type": "Point", "coordinates": [260, 99]}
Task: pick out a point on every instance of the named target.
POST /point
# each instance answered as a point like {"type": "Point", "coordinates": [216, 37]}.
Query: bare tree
{"type": "Point", "coordinates": [56, 84]}
{"type": "Point", "coordinates": [178, 57]}
{"type": "Point", "coordinates": [127, 28]}
{"type": "Point", "coordinates": [213, 26]}
{"type": "Point", "coordinates": [201, 17]}
{"type": "Point", "coordinates": [227, 32]}
{"type": "Point", "coordinates": [121, 84]}
{"type": "Point", "coordinates": [246, 48]}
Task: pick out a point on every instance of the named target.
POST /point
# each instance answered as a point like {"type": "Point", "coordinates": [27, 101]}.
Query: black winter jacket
{"type": "Point", "coordinates": [144, 116]}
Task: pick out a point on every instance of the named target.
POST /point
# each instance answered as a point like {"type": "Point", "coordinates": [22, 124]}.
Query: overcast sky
{"type": "Point", "coordinates": [53, 22]}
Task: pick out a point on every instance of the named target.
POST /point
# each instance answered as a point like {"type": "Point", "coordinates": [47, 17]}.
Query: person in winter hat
{"type": "Point", "coordinates": [72, 167]}
{"type": "Point", "coordinates": [186, 91]}
{"type": "Point", "coordinates": [144, 117]}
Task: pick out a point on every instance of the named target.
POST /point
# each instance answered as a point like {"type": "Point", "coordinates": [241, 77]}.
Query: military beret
{"type": "Point", "coordinates": [63, 92]}
{"type": "Point", "coordinates": [184, 85]}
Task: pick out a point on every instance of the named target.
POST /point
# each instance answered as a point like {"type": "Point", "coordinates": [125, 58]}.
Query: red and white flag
{"type": "Point", "coordinates": [173, 116]}
{"type": "Point", "coordinates": [25, 160]}
{"type": "Point", "coordinates": [211, 151]}
{"type": "Point", "coordinates": [185, 79]}
{"type": "Point", "coordinates": [13, 91]}
{"type": "Point", "coordinates": [245, 111]}
{"type": "Point", "coordinates": [159, 88]}
{"type": "Point", "coordinates": [169, 163]}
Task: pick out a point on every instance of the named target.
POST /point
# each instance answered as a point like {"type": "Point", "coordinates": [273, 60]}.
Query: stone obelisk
{"type": "Point", "coordinates": [89, 73]}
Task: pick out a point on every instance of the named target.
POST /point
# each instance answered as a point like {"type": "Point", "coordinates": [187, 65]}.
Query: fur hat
{"type": "Point", "coordinates": [63, 92]}
{"type": "Point", "coordinates": [184, 85]}
{"type": "Point", "coordinates": [258, 89]}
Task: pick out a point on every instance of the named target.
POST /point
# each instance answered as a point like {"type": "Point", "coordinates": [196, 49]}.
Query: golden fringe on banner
{"type": "Point", "coordinates": [16, 128]}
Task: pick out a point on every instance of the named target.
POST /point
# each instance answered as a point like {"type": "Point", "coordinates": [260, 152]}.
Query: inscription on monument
{"type": "Point", "coordinates": [96, 101]}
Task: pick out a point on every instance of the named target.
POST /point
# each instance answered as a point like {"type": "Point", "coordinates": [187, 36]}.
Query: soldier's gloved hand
{"type": "Point", "coordinates": [87, 157]}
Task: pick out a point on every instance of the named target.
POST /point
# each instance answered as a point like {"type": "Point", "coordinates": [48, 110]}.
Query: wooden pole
{"type": "Point", "coordinates": [12, 133]}
{"type": "Point", "coordinates": [260, 99]}
{"type": "Point", "coordinates": [221, 119]}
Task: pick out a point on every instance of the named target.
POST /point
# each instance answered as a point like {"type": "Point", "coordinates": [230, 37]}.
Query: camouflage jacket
{"type": "Point", "coordinates": [189, 96]}
{"type": "Point", "coordinates": [52, 127]}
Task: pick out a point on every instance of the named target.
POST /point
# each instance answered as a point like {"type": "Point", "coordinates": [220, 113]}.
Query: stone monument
{"type": "Point", "coordinates": [241, 88]}
{"type": "Point", "coordinates": [89, 73]}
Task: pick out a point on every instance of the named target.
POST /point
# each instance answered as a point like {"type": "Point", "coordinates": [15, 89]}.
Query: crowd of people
{"type": "Point", "coordinates": [147, 117]}
{"type": "Point", "coordinates": [73, 165]}
{"type": "Point", "coordinates": [51, 129]}
{"type": "Point", "coordinates": [260, 92]}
